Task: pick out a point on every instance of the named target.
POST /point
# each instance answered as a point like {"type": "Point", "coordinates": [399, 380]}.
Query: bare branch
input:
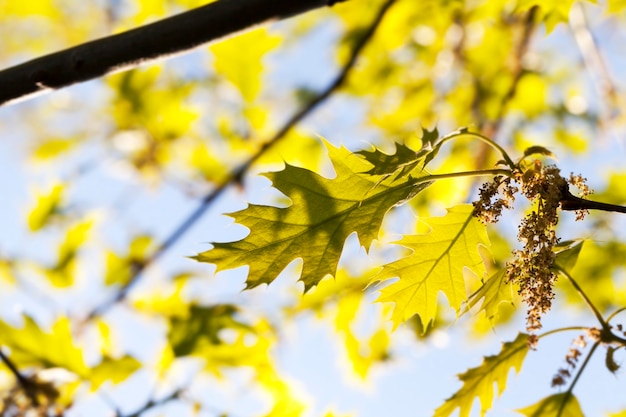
{"type": "Point", "coordinates": [238, 173]}
{"type": "Point", "coordinates": [167, 37]}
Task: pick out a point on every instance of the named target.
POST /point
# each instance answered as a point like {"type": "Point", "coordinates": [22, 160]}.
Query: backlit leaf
{"type": "Point", "coordinates": [567, 253]}
{"type": "Point", "coordinates": [323, 213]}
{"type": "Point", "coordinates": [26, 345]}
{"type": "Point", "coordinates": [114, 370]}
{"type": "Point", "coordinates": [244, 70]}
{"type": "Point", "coordinates": [436, 264]}
{"type": "Point", "coordinates": [201, 328]}
{"type": "Point", "coordinates": [47, 206]}
{"type": "Point", "coordinates": [62, 273]}
{"type": "Point", "coordinates": [404, 159]}
{"type": "Point", "coordinates": [493, 292]}
{"type": "Point", "coordinates": [479, 382]}
{"type": "Point", "coordinates": [557, 405]}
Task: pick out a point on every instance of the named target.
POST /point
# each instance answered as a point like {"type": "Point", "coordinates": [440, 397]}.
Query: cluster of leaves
{"type": "Point", "coordinates": [95, 315]}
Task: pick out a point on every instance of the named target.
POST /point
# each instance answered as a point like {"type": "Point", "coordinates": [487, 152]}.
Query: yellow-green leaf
{"type": "Point", "coordinates": [323, 213]}
{"type": "Point", "coordinates": [493, 292]}
{"type": "Point", "coordinates": [201, 328]}
{"type": "Point", "coordinates": [479, 382]}
{"type": "Point", "coordinates": [244, 70]}
{"type": "Point", "coordinates": [557, 405]}
{"type": "Point", "coordinates": [62, 273]}
{"type": "Point", "coordinates": [567, 253]}
{"type": "Point", "coordinates": [114, 370]}
{"type": "Point", "coordinates": [47, 206]}
{"type": "Point", "coordinates": [26, 345]}
{"type": "Point", "coordinates": [436, 265]}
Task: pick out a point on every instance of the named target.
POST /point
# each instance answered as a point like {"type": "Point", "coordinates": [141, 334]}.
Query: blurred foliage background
{"type": "Point", "coordinates": [97, 177]}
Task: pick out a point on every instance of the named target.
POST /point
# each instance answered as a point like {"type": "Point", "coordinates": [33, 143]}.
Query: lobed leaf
{"type": "Point", "coordinates": [403, 160]}
{"type": "Point", "coordinates": [478, 382]}
{"type": "Point", "coordinates": [323, 213]}
{"type": "Point", "coordinates": [436, 264]}
{"type": "Point", "coordinates": [495, 291]}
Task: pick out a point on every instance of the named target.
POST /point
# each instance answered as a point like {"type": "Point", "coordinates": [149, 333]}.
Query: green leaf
{"type": "Point", "coordinates": [567, 253]}
{"type": "Point", "coordinates": [436, 264]}
{"type": "Point", "coordinates": [557, 405]}
{"type": "Point", "coordinates": [403, 160]}
{"type": "Point", "coordinates": [114, 370]}
{"type": "Point", "coordinates": [244, 70]}
{"type": "Point", "coordinates": [478, 382]}
{"type": "Point", "coordinates": [119, 268]}
{"type": "Point", "coordinates": [538, 150]}
{"type": "Point", "coordinates": [62, 273]}
{"type": "Point", "coordinates": [495, 291]}
{"type": "Point", "coordinates": [48, 206]}
{"type": "Point", "coordinates": [201, 328]}
{"type": "Point", "coordinates": [26, 345]}
{"type": "Point", "coordinates": [324, 212]}
{"type": "Point", "coordinates": [431, 144]}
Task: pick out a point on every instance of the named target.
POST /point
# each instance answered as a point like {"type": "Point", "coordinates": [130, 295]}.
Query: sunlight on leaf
{"type": "Point", "coordinates": [26, 343]}
{"type": "Point", "coordinates": [436, 265]}
{"type": "Point", "coordinates": [62, 273]}
{"type": "Point", "coordinates": [114, 370]}
{"type": "Point", "coordinates": [324, 212]}
{"type": "Point", "coordinates": [479, 382]}
{"type": "Point", "coordinates": [493, 292]}
{"type": "Point", "coordinates": [244, 70]}
{"type": "Point", "coordinates": [567, 253]}
{"type": "Point", "coordinates": [557, 405]}
{"type": "Point", "coordinates": [47, 206]}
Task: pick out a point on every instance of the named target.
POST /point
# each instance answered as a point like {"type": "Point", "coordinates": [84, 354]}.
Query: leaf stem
{"type": "Point", "coordinates": [593, 308]}
{"type": "Point", "coordinates": [461, 174]}
{"type": "Point", "coordinates": [615, 313]}
{"type": "Point", "coordinates": [563, 329]}
{"type": "Point", "coordinates": [577, 377]}
{"type": "Point", "coordinates": [482, 138]}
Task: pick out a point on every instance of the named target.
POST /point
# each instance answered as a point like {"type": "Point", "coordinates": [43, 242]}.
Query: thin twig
{"type": "Point", "coordinates": [580, 291]}
{"type": "Point", "coordinates": [167, 37]}
{"type": "Point", "coordinates": [237, 174]}
{"type": "Point", "coordinates": [26, 384]}
{"type": "Point", "coordinates": [154, 403]}
{"type": "Point", "coordinates": [594, 61]}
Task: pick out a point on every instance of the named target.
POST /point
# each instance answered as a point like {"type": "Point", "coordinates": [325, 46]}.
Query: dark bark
{"type": "Point", "coordinates": [158, 40]}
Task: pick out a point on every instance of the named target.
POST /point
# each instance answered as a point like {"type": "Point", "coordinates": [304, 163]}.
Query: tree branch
{"type": "Point", "coordinates": [25, 383]}
{"type": "Point", "coordinates": [167, 37]}
{"type": "Point", "coordinates": [238, 173]}
{"type": "Point", "coordinates": [570, 202]}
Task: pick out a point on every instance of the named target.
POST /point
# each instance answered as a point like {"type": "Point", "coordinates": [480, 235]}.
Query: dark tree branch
{"type": "Point", "coordinates": [570, 202]}
{"type": "Point", "coordinates": [28, 387]}
{"type": "Point", "coordinates": [238, 173]}
{"type": "Point", "coordinates": [167, 37]}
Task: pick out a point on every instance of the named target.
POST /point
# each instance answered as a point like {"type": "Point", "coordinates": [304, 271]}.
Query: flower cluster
{"type": "Point", "coordinates": [581, 183]}
{"type": "Point", "coordinates": [531, 268]}
{"type": "Point", "coordinates": [571, 359]}
{"type": "Point", "coordinates": [488, 210]}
